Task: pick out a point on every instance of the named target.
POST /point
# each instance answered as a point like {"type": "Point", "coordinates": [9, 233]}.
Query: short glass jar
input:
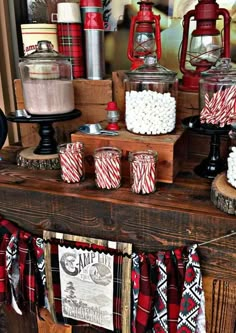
{"type": "Point", "coordinates": [218, 94]}
{"type": "Point", "coordinates": [231, 161]}
{"type": "Point", "coordinates": [143, 171]}
{"type": "Point", "coordinates": [107, 162]}
{"type": "Point", "coordinates": [150, 99]}
{"type": "Point", "coordinates": [71, 157]}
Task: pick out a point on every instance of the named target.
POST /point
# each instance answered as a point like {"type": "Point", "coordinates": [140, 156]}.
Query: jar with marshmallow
{"type": "Point", "coordinates": [231, 161]}
{"type": "Point", "coordinates": [150, 99]}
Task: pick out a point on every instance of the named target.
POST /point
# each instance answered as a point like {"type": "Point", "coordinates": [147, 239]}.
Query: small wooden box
{"type": "Point", "coordinates": [171, 149]}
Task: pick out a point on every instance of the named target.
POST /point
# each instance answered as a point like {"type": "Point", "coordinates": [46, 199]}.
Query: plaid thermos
{"type": "Point", "coordinates": [70, 44]}
{"type": "Point", "coordinates": [69, 34]}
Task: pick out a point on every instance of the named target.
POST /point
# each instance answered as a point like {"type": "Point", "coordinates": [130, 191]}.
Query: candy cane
{"type": "Point", "coordinates": [71, 161]}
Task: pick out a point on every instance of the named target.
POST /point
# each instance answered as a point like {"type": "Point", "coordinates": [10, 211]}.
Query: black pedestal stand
{"type": "Point", "coordinates": [213, 164]}
{"type": "Point", "coordinates": [44, 156]}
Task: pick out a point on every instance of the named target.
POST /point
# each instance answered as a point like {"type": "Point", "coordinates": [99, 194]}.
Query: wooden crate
{"type": "Point", "coordinates": [171, 149]}
{"type": "Point", "coordinates": [91, 98]}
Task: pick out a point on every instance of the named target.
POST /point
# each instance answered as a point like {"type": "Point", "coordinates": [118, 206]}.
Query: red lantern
{"type": "Point", "coordinates": [207, 43]}
{"type": "Point", "coordinates": [145, 36]}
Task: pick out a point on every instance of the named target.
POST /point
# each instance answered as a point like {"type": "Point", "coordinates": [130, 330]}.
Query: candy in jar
{"type": "Point", "coordinates": [107, 162]}
{"type": "Point", "coordinates": [143, 171]}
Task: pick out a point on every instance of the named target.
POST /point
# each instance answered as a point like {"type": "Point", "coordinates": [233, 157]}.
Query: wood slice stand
{"type": "Point", "coordinates": [44, 156]}
{"type": "Point", "coordinates": [28, 159]}
{"type": "Point", "coordinates": [223, 195]}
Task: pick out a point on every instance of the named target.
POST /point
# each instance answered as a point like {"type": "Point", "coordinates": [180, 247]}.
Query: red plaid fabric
{"type": "Point", "coordinates": [118, 262]}
{"type": "Point", "coordinates": [70, 43]}
{"type": "Point", "coordinates": [29, 287]}
{"type": "Point", "coordinates": [145, 299]}
{"type": "Point", "coordinates": [172, 293]}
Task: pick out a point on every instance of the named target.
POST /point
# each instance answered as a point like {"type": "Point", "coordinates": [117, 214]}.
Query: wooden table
{"type": "Point", "coordinates": [177, 214]}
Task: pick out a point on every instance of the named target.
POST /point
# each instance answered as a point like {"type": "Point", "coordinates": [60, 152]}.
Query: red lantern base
{"type": "Point", "coordinates": [190, 82]}
{"type": "Point", "coordinates": [113, 127]}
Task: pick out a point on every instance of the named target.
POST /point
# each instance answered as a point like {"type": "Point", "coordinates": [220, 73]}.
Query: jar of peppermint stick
{"type": "Point", "coordinates": [107, 162]}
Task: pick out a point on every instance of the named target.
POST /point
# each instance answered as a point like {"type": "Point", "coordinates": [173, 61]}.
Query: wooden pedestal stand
{"type": "Point", "coordinates": [44, 156]}
{"type": "Point", "coordinates": [223, 195]}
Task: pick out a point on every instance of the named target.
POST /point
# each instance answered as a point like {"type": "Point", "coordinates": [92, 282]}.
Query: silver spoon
{"type": "Point", "coordinates": [95, 129]}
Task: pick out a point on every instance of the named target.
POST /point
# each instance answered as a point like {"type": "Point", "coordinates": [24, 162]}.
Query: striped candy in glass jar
{"type": "Point", "coordinates": [71, 157]}
{"type": "Point", "coordinates": [143, 171]}
{"type": "Point", "coordinates": [107, 167]}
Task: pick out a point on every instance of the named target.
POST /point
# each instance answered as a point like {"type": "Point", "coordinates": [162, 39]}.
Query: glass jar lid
{"type": "Point", "coordinates": [151, 69]}
{"type": "Point", "coordinates": [221, 72]}
{"type": "Point", "coordinates": [44, 51]}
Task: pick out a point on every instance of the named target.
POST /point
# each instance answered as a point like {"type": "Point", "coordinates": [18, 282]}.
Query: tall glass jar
{"type": "Point", "coordinates": [143, 171]}
{"type": "Point", "coordinates": [150, 99]}
{"type": "Point", "coordinates": [231, 170]}
{"type": "Point", "coordinates": [47, 81]}
{"type": "Point", "coordinates": [107, 162]}
{"type": "Point", "coordinates": [218, 94]}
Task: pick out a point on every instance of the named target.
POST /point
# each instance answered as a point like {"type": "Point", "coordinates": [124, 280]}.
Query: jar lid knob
{"type": "Point", "coordinates": [223, 63]}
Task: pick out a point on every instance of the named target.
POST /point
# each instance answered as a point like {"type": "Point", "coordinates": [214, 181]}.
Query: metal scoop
{"type": "Point", "coordinates": [95, 129]}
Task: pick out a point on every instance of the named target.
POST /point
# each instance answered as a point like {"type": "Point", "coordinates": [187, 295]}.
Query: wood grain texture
{"type": "Point", "coordinates": [220, 305]}
{"type": "Point", "coordinates": [177, 214]}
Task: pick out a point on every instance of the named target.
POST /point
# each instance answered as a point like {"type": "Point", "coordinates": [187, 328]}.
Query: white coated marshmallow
{"type": "Point", "coordinates": [150, 112]}
{"type": "Point", "coordinates": [231, 172]}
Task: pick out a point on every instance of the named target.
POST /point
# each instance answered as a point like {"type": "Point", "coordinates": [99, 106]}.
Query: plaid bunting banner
{"type": "Point", "coordinates": [70, 43]}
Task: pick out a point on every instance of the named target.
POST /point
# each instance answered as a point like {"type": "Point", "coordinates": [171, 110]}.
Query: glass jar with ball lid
{"type": "Point", "coordinates": [150, 99]}
{"type": "Point", "coordinates": [218, 95]}
{"type": "Point", "coordinates": [231, 161]}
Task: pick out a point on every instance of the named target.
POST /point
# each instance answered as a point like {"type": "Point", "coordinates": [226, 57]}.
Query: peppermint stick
{"type": "Point", "coordinates": [107, 169]}
{"type": "Point", "coordinates": [143, 173]}
{"type": "Point", "coordinates": [220, 109]}
{"type": "Point", "coordinates": [71, 161]}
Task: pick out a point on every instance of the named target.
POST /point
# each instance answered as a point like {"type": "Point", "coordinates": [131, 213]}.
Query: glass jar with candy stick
{"type": "Point", "coordinates": [107, 162]}
{"type": "Point", "coordinates": [71, 157]}
{"type": "Point", "coordinates": [143, 171]}
{"type": "Point", "coordinates": [218, 95]}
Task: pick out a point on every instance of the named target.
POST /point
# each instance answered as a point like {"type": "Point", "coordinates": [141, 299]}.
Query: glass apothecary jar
{"type": "Point", "coordinates": [218, 94]}
{"type": "Point", "coordinates": [143, 171]}
{"type": "Point", "coordinates": [231, 161]}
{"type": "Point", "coordinates": [150, 99]}
{"type": "Point", "coordinates": [47, 81]}
{"type": "Point", "coordinates": [107, 162]}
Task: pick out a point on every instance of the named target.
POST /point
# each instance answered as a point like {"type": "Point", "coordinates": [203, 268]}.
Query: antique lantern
{"type": "Point", "coordinates": [207, 43]}
{"type": "Point", "coordinates": [144, 37]}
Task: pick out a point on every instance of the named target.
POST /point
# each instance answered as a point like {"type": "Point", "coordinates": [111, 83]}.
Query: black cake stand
{"type": "Point", "coordinates": [45, 154]}
{"type": "Point", "coordinates": [213, 164]}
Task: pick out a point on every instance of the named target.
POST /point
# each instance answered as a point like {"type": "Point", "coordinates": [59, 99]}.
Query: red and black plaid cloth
{"type": "Point", "coordinates": [147, 296]}
{"type": "Point", "coordinates": [29, 289]}
{"type": "Point", "coordinates": [70, 43]}
{"type": "Point", "coordinates": [118, 263]}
